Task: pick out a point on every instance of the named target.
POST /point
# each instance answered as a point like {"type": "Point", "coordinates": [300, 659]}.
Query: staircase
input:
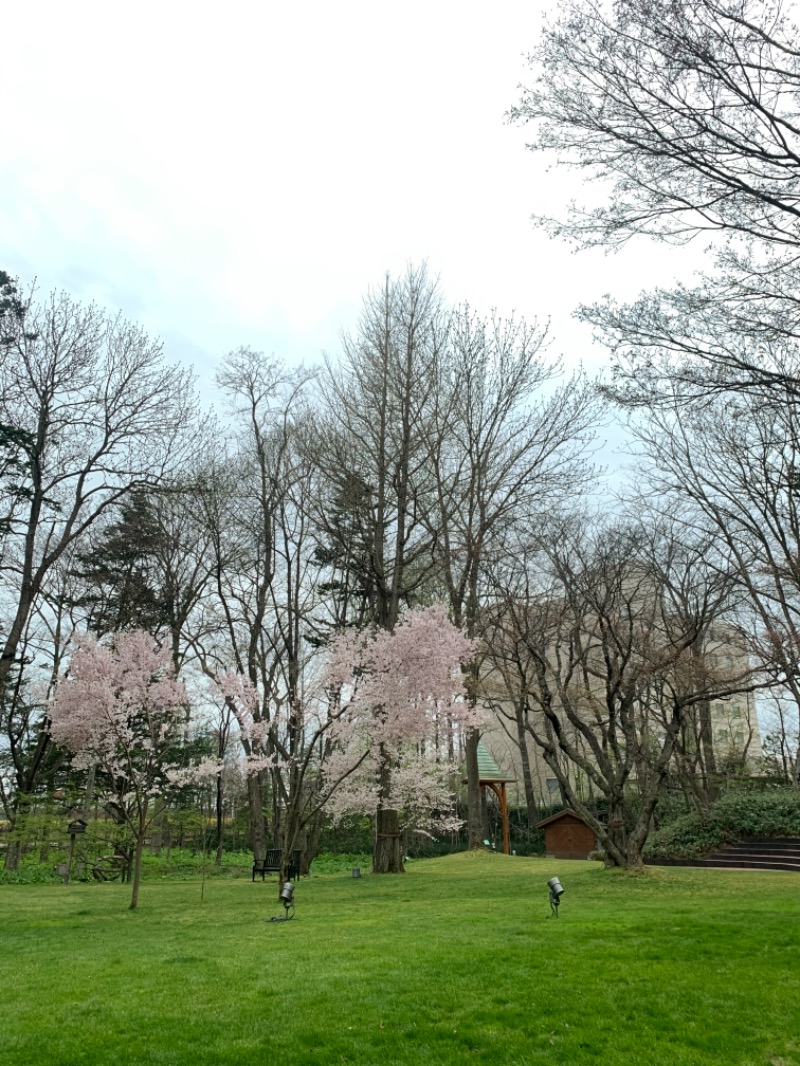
{"type": "Point", "coordinates": [777, 853]}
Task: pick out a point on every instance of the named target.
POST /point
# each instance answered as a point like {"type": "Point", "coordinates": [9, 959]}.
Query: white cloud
{"type": "Point", "coordinates": [240, 174]}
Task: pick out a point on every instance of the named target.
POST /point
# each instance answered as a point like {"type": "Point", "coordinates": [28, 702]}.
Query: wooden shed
{"type": "Point", "coordinates": [567, 836]}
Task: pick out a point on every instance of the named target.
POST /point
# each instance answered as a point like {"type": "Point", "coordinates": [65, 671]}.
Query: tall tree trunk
{"type": "Point", "coordinates": [14, 849]}
{"type": "Point", "coordinates": [531, 806]}
{"type": "Point", "coordinates": [707, 747]}
{"type": "Point", "coordinates": [140, 830]}
{"type": "Point", "coordinates": [258, 828]}
{"type": "Point", "coordinates": [86, 808]}
{"type": "Point", "coordinates": [13, 852]}
{"type": "Point", "coordinates": [617, 853]}
{"type": "Point", "coordinates": [137, 869]}
{"type": "Point", "coordinates": [474, 813]}
{"type": "Point", "coordinates": [387, 857]}
{"type": "Point", "coordinates": [220, 820]}
{"type": "Point", "coordinates": [475, 829]}
{"type": "Point", "coordinates": [311, 849]}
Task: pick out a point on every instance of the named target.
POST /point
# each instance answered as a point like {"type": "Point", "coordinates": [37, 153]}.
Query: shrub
{"type": "Point", "coordinates": [31, 873]}
{"type": "Point", "coordinates": [774, 812]}
{"type": "Point", "coordinates": [341, 863]}
{"type": "Point", "coordinates": [737, 813]}
{"type": "Point", "coordinates": [183, 862]}
{"type": "Point", "coordinates": [686, 837]}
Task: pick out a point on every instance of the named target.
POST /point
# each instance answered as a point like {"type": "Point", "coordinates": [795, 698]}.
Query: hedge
{"type": "Point", "coordinates": [737, 814]}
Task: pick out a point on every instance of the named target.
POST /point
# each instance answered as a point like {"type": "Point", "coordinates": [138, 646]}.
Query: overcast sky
{"type": "Point", "coordinates": [241, 173]}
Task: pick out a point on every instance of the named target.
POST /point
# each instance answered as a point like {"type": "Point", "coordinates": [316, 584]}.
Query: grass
{"type": "Point", "coordinates": [178, 863]}
{"type": "Point", "coordinates": [457, 961]}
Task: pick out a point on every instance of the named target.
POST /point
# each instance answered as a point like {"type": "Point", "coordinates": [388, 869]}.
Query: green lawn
{"type": "Point", "coordinates": [457, 961]}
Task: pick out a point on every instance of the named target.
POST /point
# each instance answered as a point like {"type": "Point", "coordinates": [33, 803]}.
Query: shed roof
{"type": "Point", "coordinates": [561, 814]}
{"type": "Point", "coordinates": [488, 770]}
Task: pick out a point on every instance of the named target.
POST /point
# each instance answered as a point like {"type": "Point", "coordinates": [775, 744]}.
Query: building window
{"type": "Point", "coordinates": [552, 787]}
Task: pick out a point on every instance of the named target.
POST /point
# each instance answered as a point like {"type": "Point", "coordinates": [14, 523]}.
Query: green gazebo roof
{"type": "Point", "coordinates": [488, 770]}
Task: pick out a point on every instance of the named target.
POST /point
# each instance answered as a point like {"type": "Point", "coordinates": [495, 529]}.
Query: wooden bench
{"type": "Point", "coordinates": [272, 864]}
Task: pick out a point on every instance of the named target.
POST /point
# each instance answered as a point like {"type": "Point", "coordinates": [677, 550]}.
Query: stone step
{"type": "Point", "coordinates": [730, 864]}
{"type": "Point", "coordinates": [758, 849]}
{"type": "Point", "coordinates": [778, 853]}
{"type": "Point", "coordinates": [750, 863]}
{"type": "Point", "coordinates": [794, 841]}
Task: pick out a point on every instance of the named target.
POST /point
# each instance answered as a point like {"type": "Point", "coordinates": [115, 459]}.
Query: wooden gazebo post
{"type": "Point", "coordinates": [490, 776]}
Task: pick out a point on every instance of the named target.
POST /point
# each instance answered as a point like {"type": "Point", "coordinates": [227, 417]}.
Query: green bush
{"type": "Point", "coordinates": [737, 814]}
{"type": "Point", "coordinates": [31, 873]}
{"type": "Point", "coordinates": [341, 863]}
{"type": "Point", "coordinates": [687, 837]}
{"type": "Point", "coordinates": [774, 812]}
{"type": "Point", "coordinates": [184, 862]}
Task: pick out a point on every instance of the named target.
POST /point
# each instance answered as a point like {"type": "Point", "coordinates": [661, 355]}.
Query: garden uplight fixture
{"type": "Point", "coordinates": [287, 899]}
{"type": "Point", "coordinates": [556, 892]}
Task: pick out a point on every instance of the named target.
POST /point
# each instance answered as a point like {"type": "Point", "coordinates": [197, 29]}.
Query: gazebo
{"type": "Point", "coordinates": [490, 776]}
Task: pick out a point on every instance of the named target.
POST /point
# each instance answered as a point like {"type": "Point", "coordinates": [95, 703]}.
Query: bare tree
{"type": "Point", "coordinates": [687, 108]}
{"type": "Point", "coordinates": [96, 413]}
{"type": "Point", "coordinates": [374, 446]}
{"type": "Point", "coordinates": [106, 415]}
{"type": "Point", "coordinates": [594, 636]}
{"type": "Point", "coordinates": [253, 618]}
{"type": "Point", "coordinates": [502, 454]}
{"type": "Point", "coordinates": [374, 451]}
{"type": "Point", "coordinates": [781, 742]}
{"type": "Point", "coordinates": [685, 114]}
{"type": "Point", "coordinates": [731, 469]}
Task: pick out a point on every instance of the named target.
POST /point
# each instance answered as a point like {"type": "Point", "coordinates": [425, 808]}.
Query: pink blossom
{"type": "Point", "coordinates": [116, 699]}
{"type": "Point", "coordinates": [121, 710]}
{"type": "Point", "coordinates": [400, 693]}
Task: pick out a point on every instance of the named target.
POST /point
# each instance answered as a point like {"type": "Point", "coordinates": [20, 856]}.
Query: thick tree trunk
{"type": "Point", "coordinates": [709, 758]}
{"type": "Point", "coordinates": [86, 808]}
{"type": "Point", "coordinates": [474, 812]}
{"type": "Point", "coordinates": [289, 839]}
{"type": "Point", "coordinates": [13, 854]}
{"type": "Point", "coordinates": [531, 806]}
{"type": "Point", "coordinates": [312, 845]}
{"type": "Point", "coordinates": [258, 828]}
{"type": "Point", "coordinates": [618, 852]}
{"type": "Point", "coordinates": [635, 860]}
{"type": "Point", "coordinates": [387, 857]}
{"type": "Point", "coordinates": [18, 826]}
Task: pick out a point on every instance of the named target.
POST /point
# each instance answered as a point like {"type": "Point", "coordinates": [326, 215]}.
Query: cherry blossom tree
{"type": "Point", "coordinates": [121, 710]}
{"type": "Point", "coordinates": [89, 413]}
{"type": "Point", "coordinates": [377, 728]}
{"type": "Point", "coordinates": [292, 745]}
{"type": "Point", "coordinates": [400, 697]}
